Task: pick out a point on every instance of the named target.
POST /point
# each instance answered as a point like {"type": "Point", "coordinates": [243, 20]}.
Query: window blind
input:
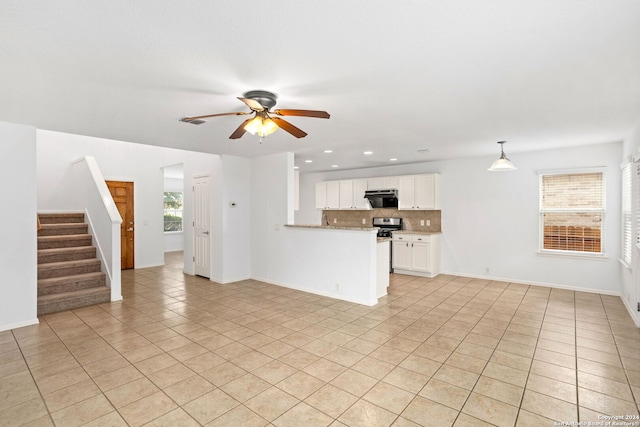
{"type": "Point", "coordinates": [637, 170]}
{"type": "Point", "coordinates": [627, 231]}
{"type": "Point", "coordinates": [572, 210]}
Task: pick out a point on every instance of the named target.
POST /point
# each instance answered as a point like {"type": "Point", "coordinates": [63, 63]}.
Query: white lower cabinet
{"type": "Point", "coordinates": [416, 254]}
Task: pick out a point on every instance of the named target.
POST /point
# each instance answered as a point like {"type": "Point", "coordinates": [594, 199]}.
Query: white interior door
{"type": "Point", "coordinates": [201, 225]}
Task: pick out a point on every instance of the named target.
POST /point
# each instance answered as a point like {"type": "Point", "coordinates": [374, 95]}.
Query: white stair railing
{"type": "Point", "coordinates": [92, 195]}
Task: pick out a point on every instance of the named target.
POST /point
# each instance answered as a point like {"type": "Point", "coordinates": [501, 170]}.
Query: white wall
{"type": "Point", "coordinates": [231, 225]}
{"type": "Point", "coordinates": [330, 262]}
{"type": "Point", "coordinates": [490, 219]}
{"type": "Point", "coordinates": [18, 252]}
{"type": "Point", "coordinates": [121, 161]}
{"type": "Point", "coordinates": [271, 208]}
{"type": "Point", "coordinates": [631, 276]}
{"type": "Point", "coordinates": [335, 263]}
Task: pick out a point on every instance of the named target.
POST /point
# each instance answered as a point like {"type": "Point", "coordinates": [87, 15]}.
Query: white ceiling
{"type": "Point", "coordinates": [397, 76]}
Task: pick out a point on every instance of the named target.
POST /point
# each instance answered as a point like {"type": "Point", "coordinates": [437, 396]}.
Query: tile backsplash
{"type": "Point", "coordinates": [410, 219]}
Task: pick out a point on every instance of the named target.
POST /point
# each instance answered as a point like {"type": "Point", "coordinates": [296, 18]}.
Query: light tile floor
{"type": "Point", "coordinates": [182, 351]}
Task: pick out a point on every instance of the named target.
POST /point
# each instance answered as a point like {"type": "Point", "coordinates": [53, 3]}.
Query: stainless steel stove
{"type": "Point", "coordinates": [386, 226]}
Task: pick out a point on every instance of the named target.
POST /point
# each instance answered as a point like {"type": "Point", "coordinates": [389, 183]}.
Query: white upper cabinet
{"type": "Point", "coordinates": [406, 190]}
{"type": "Point", "coordinates": [419, 192]}
{"type": "Point", "coordinates": [415, 192]}
{"type": "Point", "coordinates": [352, 194]}
{"type": "Point", "coordinates": [346, 194]}
{"type": "Point", "coordinates": [328, 195]}
{"type": "Point", "coordinates": [382, 183]}
{"type": "Point", "coordinates": [359, 187]}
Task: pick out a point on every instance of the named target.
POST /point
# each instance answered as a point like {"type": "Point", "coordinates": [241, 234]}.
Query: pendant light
{"type": "Point", "coordinates": [503, 163]}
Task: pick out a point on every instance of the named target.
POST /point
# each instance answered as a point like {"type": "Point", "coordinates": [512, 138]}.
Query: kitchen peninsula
{"type": "Point", "coordinates": [343, 262]}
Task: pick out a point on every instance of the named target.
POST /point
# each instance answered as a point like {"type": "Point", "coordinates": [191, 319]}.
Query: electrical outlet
{"type": "Point", "coordinates": [487, 270]}
{"type": "Point", "coordinates": [428, 223]}
{"type": "Point", "coordinates": [422, 222]}
{"type": "Point", "coordinates": [337, 286]}
{"type": "Point", "coordinates": [363, 221]}
{"type": "Point", "coordinates": [335, 220]}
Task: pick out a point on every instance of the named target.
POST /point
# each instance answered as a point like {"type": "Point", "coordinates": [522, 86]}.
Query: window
{"type": "Point", "coordinates": [572, 212]}
{"type": "Point", "coordinates": [627, 243]}
{"type": "Point", "coordinates": [173, 211]}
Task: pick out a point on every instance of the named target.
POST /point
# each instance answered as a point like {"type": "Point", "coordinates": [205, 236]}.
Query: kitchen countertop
{"type": "Point", "coordinates": [416, 232]}
{"type": "Point", "coordinates": [332, 227]}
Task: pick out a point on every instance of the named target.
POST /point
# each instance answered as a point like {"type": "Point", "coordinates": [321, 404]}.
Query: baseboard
{"type": "Point", "coordinates": [528, 282]}
{"type": "Point", "coordinates": [415, 273]}
{"type": "Point", "coordinates": [237, 279]}
{"type": "Point", "coordinates": [19, 324]}
{"type": "Point", "coordinates": [635, 315]}
{"type": "Point", "coordinates": [315, 292]}
{"type": "Point", "coordinates": [148, 266]}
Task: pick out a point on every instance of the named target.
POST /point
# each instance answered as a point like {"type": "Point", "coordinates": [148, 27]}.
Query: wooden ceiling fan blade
{"type": "Point", "coordinates": [252, 103]}
{"type": "Point", "coordinates": [190, 119]}
{"type": "Point", "coordinates": [240, 130]}
{"type": "Point", "coordinates": [302, 113]}
{"type": "Point", "coordinates": [285, 125]}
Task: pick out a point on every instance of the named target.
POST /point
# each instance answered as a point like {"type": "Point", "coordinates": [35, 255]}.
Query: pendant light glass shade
{"type": "Point", "coordinates": [503, 163]}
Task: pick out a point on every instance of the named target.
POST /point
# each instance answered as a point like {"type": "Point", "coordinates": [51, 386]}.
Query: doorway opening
{"type": "Point", "coordinates": [174, 222]}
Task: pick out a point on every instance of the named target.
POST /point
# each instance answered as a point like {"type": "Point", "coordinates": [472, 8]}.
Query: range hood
{"type": "Point", "coordinates": [387, 198]}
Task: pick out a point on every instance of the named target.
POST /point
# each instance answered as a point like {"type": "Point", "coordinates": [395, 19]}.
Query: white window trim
{"type": "Point", "coordinates": [565, 253]}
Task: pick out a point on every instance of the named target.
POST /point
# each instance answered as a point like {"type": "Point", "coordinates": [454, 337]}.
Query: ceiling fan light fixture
{"type": "Point", "coordinates": [503, 164]}
{"type": "Point", "coordinates": [261, 126]}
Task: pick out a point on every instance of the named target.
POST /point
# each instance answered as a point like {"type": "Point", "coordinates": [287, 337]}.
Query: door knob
{"type": "Point", "coordinates": [130, 229]}
{"type": "Point", "coordinates": [205, 232]}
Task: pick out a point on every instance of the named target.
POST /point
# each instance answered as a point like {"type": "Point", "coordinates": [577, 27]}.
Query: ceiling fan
{"type": "Point", "coordinates": [260, 102]}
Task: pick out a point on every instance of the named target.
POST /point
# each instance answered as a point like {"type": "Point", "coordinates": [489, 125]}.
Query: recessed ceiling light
{"type": "Point", "coordinates": [328, 151]}
{"type": "Point", "coordinates": [296, 167]}
{"type": "Point", "coordinates": [308, 161]}
{"type": "Point", "coordinates": [425, 150]}
{"type": "Point", "coordinates": [334, 166]}
{"type": "Point", "coordinates": [368, 152]}
{"type": "Point", "coordinates": [393, 160]}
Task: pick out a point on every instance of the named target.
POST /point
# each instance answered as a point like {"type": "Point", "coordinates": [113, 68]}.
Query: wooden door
{"type": "Point", "coordinates": [201, 226]}
{"type": "Point", "coordinates": [122, 193]}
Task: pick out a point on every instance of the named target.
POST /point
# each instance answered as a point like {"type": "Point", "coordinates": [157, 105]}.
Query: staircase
{"type": "Point", "coordinates": [69, 273]}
